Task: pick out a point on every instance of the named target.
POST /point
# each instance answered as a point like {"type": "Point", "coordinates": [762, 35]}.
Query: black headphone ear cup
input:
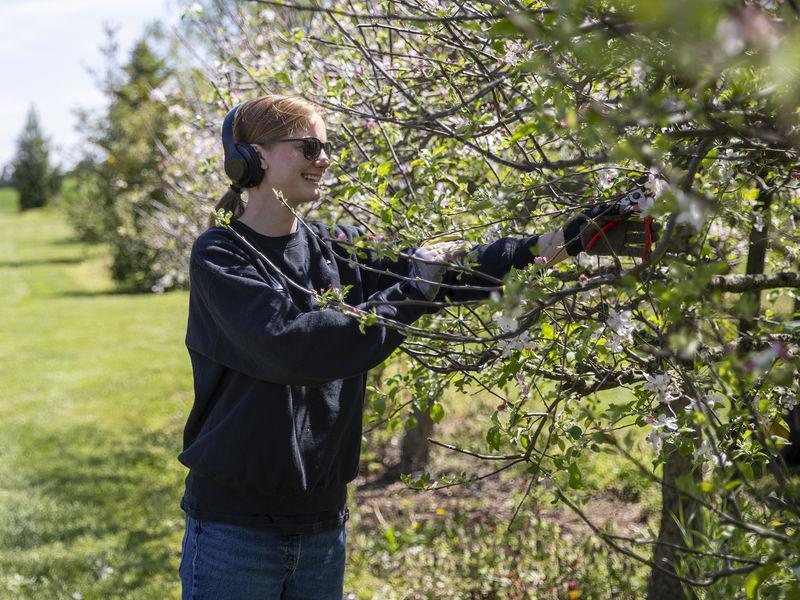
{"type": "Point", "coordinates": [242, 163]}
{"type": "Point", "coordinates": [254, 173]}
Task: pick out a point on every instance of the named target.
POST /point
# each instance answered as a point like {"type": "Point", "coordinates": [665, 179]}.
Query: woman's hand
{"type": "Point", "coordinates": [429, 263]}
{"type": "Point", "coordinates": [612, 229]}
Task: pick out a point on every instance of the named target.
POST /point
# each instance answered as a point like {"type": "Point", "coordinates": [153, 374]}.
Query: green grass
{"type": "Point", "coordinates": [96, 386]}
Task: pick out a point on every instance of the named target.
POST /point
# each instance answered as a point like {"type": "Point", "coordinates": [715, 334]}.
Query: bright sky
{"type": "Point", "coordinates": [46, 50]}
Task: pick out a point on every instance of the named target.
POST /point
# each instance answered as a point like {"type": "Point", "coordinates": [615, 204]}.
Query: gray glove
{"type": "Point", "coordinates": [429, 263]}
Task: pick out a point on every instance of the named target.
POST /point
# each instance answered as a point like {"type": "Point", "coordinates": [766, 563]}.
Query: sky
{"type": "Point", "coordinates": [47, 48]}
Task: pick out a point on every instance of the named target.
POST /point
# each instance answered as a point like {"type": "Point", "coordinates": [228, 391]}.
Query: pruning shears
{"type": "Point", "coordinates": [627, 205]}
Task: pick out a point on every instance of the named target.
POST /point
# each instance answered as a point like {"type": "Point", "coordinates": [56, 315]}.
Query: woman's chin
{"type": "Point", "coordinates": [312, 197]}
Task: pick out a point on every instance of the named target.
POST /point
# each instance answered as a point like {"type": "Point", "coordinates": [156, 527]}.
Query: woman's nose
{"type": "Point", "coordinates": [323, 160]}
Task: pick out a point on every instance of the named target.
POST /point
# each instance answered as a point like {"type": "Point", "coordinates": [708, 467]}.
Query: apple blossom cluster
{"type": "Point", "coordinates": [606, 178]}
{"type": "Point", "coordinates": [707, 453]}
{"type": "Point", "coordinates": [708, 402]}
{"type": "Point", "coordinates": [662, 429]}
{"type": "Point", "coordinates": [517, 344]}
{"type": "Point", "coordinates": [621, 329]}
{"type": "Point", "coordinates": [787, 398]}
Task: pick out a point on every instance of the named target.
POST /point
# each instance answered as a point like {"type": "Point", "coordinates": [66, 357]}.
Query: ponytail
{"type": "Point", "coordinates": [231, 201]}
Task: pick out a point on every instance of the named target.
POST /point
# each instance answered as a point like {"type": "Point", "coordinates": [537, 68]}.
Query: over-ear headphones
{"type": "Point", "coordinates": [242, 163]}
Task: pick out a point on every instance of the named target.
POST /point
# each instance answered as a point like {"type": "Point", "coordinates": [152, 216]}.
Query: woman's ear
{"type": "Point", "coordinates": [260, 151]}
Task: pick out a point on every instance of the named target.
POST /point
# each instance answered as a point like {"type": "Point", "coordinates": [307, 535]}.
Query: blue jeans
{"type": "Point", "coordinates": [232, 562]}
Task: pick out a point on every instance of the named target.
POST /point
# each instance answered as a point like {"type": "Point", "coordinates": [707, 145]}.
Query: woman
{"type": "Point", "coordinates": [274, 435]}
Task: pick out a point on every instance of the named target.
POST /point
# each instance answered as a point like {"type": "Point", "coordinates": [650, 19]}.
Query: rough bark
{"type": "Point", "coordinates": [756, 258]}
{"type": "Point", "coordinates": [791, 453]}
{"type": "Point", "coordinates": [661, 585]}
{"type": "Point", "coordinates": [416, 449]}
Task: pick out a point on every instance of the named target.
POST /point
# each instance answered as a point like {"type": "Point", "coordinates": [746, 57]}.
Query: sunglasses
{"type": "Point", "coordinates": [311, 146]}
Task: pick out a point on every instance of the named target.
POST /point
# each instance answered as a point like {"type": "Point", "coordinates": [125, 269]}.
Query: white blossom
{"type": "Point", "coordinates": [507, 322]}
{"type": "Point", "coordinates": [639, 73]}
{"type": "Point", "coordinates": [655, 185]}
{"type": "Point", "coordinates": [192, 10]}
{"type": "Point", "coordinates": [690, 210]}
{"type": "Point", "coordinates": [157, 95]}
{"type": "Point", "coordinates": [646, 205]}
{"type": "Point", "coordinates": [655, 438]}
{"type": "Point", "coordinates": [605, 178]}
{"type": "Point", "coordinates": [788, 399]}
{"type": "Point", "coordinates": [665, 422]}
{"type": "Point", "coordinates": [662, 429]}
{"type": "Point", "coordinates": [706, 453]}
{"type": "Point", "coordinates": [709, 400]}
{"type": "Point", "coordinates": [729, 36]}
{"type": "Point", "coordinates": [518, 343]}
{"type": "Point", "coordinates": [662, 385]}
{"type": "Point", "coordinates": [622, 329]}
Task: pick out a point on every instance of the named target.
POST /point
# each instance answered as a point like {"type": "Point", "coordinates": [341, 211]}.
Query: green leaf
{"type": "Point", "coordinates": [385, 168]}
{"type": "Point", "coordinates": [503, 28]}
{"type": "Point", "coordinates": [575, 478]}
{"type": "Point", "coordinates": [757, 577]}
{"type": "Point", "coordinates": [493, 437]}
{"type": "Point", "coordinates": [575, 432]}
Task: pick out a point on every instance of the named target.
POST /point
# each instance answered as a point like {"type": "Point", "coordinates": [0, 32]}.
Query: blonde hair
{"type": "Point", "coordinates": [265, 118]}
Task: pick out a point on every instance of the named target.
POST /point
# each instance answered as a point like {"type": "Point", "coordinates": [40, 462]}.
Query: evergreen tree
{"type": "Point", "coordinates": [122, 187]}
{"type": "Point", "coordinates": [32, 174]}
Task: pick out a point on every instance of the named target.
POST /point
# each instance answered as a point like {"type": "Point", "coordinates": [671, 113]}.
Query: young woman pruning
{"type": "Point", "coordinates": [274, 434]}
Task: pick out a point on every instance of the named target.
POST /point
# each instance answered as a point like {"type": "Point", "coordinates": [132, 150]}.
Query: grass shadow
{"type": "Point", "coordinates": [106, 497]}
{"type": "Point", "coordinates": [39, 262]}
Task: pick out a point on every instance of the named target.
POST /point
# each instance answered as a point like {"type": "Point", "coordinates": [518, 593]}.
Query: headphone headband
{"type": "Point", "coordinates": [242, 163]}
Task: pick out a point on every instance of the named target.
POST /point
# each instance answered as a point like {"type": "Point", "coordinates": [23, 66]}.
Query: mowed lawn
{"type": "Point", "coordinates": [94, 389]}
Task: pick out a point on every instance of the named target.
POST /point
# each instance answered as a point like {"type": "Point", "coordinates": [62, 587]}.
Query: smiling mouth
{"type": "Point", "coordinates": [312, 178]}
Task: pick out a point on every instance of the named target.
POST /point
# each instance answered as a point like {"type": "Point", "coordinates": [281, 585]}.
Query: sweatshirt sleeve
{"type": "Point", "coordinates": [381, 270]}
{"type": "Point", "coordinates": [495, 259]}
{"type": "Point", "coordinates": [238, 319]}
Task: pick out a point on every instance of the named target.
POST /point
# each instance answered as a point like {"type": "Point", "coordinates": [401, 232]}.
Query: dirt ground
{"type": "Point", "coordinates": [380, 500]}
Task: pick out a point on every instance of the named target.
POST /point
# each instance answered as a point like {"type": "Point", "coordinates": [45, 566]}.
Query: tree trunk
{"type": "Point", "coordinates": [661, 585]}
{"type": "Point", "coordinates": [416, 449]}
{"type": "Point", "coordinates": [756, 258]}
{"type": "Point", "coordinates": [791, 453]}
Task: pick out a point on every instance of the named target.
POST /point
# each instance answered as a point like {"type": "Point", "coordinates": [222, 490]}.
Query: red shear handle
{"type": "Point", "coordinates": [648, 232]}
{"type": "Point", "coordinates": [607, 227]}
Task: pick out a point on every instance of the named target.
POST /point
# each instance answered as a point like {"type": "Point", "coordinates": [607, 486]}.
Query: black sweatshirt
{"type": "Point", "coordinates": [274, 435]}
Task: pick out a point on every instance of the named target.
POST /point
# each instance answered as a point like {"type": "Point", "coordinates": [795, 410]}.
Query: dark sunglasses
{"type": "Point", "coordinates": [311, 146]}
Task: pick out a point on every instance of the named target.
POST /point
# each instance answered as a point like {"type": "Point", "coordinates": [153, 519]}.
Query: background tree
{"type": "Point", "coordinates": [32, 175]}
{"type": "Point", "coordinates": [120, 180]}
{"type": "Point", "coordinates": [5, 174]}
